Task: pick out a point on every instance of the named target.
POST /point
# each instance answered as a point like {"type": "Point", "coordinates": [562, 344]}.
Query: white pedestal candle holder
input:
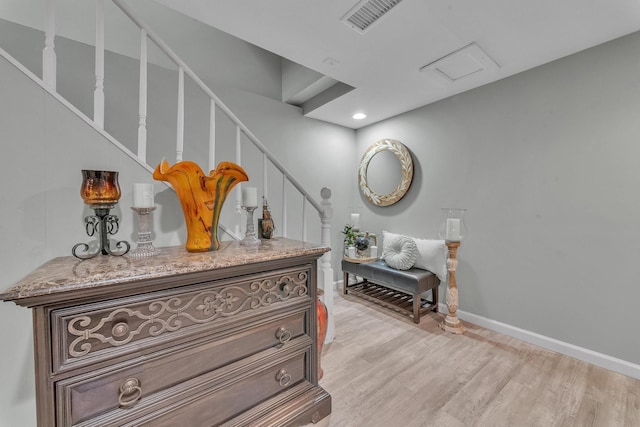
{"type": "Point", "coordinates": [250, 238]}
{"type": "Point", "coordinates": [144, 243]}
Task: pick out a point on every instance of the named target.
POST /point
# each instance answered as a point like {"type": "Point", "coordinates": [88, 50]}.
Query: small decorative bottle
{"type": "Point", "coordinates": [265, 224]}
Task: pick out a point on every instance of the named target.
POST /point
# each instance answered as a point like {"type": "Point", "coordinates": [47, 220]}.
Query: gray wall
{"type": "Point", "coordinates": [546, 162]}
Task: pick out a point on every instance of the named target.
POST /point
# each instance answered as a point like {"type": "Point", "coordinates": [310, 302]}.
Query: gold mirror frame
{"type": "Point", "coordinates": [402, 153]}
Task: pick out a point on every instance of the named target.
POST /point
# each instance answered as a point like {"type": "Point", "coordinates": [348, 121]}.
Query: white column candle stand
{"type": "Point", "coordinates": [144, 243]}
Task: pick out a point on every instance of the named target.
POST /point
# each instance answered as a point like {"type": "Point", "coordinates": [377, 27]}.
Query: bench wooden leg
{"type": "Point", "coordinates": [434, 294]}
{"type": "Point", "coordinates": [417, 299]}
{"type": "Point", "coordinates": [345, 283]}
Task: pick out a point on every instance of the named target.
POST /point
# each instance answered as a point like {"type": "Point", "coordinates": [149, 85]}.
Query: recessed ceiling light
{"type": "Point", "coordinates": [359, 116]}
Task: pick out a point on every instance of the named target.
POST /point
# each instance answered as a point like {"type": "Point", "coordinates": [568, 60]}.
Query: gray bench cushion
{"type": "Point", "coordinates": [412, 281]}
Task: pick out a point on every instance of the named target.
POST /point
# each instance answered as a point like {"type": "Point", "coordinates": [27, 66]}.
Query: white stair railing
{"type": "Point", "coordinates": [49, 52]}
{"type": "Point", "coordinates": [98, 93]}
{"type": "Point", "coordinates": [325, 212]}
{"type": "Point", "coordinates": [142, 99]}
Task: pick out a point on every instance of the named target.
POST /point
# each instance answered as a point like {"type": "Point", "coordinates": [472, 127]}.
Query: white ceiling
{"type": "Point", "coordinates": [383, 63]}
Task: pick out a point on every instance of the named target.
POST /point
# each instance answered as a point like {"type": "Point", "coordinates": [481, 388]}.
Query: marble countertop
{"type": "Point", "coordinates": [66, 274]}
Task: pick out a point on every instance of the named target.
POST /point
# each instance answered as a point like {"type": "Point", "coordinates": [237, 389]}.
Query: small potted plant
{"type": "Point", "coordinates": [350, 236]}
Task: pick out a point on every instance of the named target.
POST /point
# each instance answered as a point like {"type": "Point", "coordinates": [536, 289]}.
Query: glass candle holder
{"type": "Point", "coordinates": [100, 188]}
{"type": "Point", "coordinates": [144, 243]}
{"type": "Point", "coordinates": [453, 228]}
{"type": "Point", "coordinates": [250, 238]}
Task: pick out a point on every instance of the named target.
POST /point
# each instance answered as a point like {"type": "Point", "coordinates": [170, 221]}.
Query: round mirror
{"type": "Point", "coordinates": [385, 172]}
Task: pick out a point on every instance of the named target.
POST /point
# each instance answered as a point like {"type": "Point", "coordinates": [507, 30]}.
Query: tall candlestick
{"type": "Point", "coordinates": [143, 195]}
{"type": "Point", "coordinates": [451, 323]}
{"type": "Point", "coordinates": [249, 196]}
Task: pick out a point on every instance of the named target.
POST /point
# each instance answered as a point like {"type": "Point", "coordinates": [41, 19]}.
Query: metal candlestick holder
{"type": "Point", "coordinates": [144, 243]}
{"type": "Point", "coordinates": [250, 238]}
{"type": "Point", "coordinates": [104, 224]}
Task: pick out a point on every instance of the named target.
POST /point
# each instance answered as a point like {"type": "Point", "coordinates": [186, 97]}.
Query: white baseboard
{"type": "Point", "coordinates": [599, 359]}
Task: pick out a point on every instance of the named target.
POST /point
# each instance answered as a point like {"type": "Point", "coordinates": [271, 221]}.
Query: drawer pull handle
{"type": "Point", "coordinates": [130, 392]}
{"type": "Point", "coordinates": [283, 334]}
{"type": "Point", "coordinates": [283, 377]}
{"type": "Point", "coordinates": [120, 329]}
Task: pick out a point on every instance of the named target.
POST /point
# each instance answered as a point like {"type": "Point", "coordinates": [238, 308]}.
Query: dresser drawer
{"type": "Point", "coordinates": [222, 403]}
{"type": "Point", "coordinates": [89, 333]}
{"type": "Point", "coordinates": [87, 396]}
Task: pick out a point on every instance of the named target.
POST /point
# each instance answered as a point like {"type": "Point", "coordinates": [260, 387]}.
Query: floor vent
{"type": "Point", "coordinates": [367, 12]}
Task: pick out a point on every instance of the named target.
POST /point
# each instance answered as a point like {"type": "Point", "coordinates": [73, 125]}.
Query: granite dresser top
{"type": "Point", "coordinates": [64, 274]}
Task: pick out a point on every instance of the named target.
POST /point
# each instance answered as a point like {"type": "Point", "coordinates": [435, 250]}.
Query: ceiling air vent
{"type": "Point", "coordinates": [462, 63]}
{"type": "Point", "coordinates": [367, 12]}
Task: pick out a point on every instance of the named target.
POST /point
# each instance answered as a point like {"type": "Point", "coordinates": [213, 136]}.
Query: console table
{"type": "Point", "coordinates": [194, 339]}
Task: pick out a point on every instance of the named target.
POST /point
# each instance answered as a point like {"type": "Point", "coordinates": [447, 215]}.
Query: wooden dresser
{"type": "Point", "coordinates": [180, 339]}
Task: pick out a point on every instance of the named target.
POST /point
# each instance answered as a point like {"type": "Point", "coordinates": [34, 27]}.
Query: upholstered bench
{"type": "Point", "coordinates": [400, 290]}
{"type": "Point", "coordinates": [408, 268]}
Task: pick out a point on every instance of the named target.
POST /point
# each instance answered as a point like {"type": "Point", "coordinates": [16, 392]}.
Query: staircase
{"type": "Point", "coordinates": [218, 115]}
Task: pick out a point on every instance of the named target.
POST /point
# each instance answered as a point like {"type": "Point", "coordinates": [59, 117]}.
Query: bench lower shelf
{"type": "Point", "coordinates": [390, 298]}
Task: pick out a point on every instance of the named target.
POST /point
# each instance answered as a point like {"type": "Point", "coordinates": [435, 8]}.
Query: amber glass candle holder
{"type": "Point", "coordinates": [101, 191]}
{"type": "Point", "coordinates": [100, 188]}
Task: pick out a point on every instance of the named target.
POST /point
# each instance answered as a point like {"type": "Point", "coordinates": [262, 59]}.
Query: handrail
{"type": "Point", "coordinates": [171, 54]}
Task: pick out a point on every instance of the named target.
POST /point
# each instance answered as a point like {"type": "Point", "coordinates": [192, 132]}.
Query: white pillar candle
{"type": "Point", "coordinates": [373, 252]}
{"type": "Point", "coordinates": [355, 220]}
{"type": "Point", "coordinates": [142, 195]}
{"type": "Point", "coordinates": [249, 196]}
{"type": "Point", "coordinates": [453, 230]}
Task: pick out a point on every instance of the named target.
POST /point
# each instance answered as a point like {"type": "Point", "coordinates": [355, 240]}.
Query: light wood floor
{"type": "Point", "coordinates": [384, 370]}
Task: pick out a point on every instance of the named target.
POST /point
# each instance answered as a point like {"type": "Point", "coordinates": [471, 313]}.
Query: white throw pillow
{"type": "Point", "coordinates": [400, 253]}
{"type": "Point", "coordinates": [432, 254]}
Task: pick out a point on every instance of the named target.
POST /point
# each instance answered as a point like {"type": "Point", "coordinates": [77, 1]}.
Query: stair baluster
{"type": "Point", "coordinates": [98, 93]}
{"type": "Point", "coordinates": [142, 99]}
{"type": "Point", "coordinates": [49, 52]}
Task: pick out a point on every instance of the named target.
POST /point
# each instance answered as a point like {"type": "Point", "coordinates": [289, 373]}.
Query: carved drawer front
{"type": "Point", "coordinates": [87, 396]}
{"type": "Point", "coordinates": [98, 331]}
{"type": "Point", "coordinates": [217, 405]}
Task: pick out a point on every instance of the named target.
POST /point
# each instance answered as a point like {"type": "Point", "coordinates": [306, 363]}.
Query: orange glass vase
{"type": "Point", "coordinates": [201, 197]}
{"type": "Point", "coordinates": [323, 318]}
